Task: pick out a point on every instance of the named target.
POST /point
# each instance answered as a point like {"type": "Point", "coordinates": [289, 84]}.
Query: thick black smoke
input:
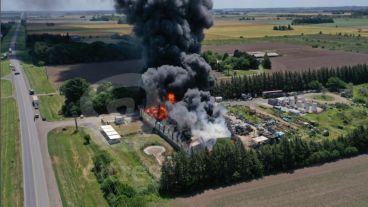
{"type": "Point", "coordinates": [169, 29]}
{"type": "Point", "coordinates": [171, 32]}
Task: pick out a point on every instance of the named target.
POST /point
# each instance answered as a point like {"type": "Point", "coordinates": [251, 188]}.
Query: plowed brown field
{"type": "Point", "coordinates": [297, 57]}
{"type": "Point", "coordinates": [343, 183]}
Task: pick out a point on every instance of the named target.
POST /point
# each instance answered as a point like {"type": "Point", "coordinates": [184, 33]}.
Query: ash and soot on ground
{"type": "Point", "coordinates": [171, 32]}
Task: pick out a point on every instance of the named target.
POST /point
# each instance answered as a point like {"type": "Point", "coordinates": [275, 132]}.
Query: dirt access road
{"type": "Point", "coordinates": [343, 183]}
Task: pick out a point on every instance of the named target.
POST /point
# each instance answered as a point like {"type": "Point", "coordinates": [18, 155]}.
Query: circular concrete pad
{"type": "Point", "coordinates": [157, 152]}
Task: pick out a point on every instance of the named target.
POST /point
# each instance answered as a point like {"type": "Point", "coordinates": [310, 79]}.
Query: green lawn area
{"type": "Point", "coordinates": [50, 107]}
{"type": "Point", "coordinates": [360, 93]}
{"type": "Point", "coordinates": [37, 78]}
{"type": "Point", "coordinates": [5, 68]}
{"type": "Point", "coordinates": [10, 156]}
{"type": "Point", "coordinates": [72, 163]}
{"type": "Point", "coordinates": [6, 88]}
{"type": "Point", "coordinates": [135, 145]}
{"type": "Point", "coordinates": [341, 120]}
{"type": "Point", "coordinates": [323, 98]}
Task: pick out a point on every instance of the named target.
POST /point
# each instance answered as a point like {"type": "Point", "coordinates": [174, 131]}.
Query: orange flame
{"type": "Point", "coordinates": [171, 98]}
{"type": "Point", "coordinates": [157, 112]}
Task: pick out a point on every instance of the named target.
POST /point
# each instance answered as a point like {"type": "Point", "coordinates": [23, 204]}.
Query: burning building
{"type": "Point", "coordinates": [177, 79]}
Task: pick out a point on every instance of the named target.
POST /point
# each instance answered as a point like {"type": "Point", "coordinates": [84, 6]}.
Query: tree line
{"type": "Point", "coordinates": [291, 81]}
{"type": "Point", "coordinates": [79, 95]}
{"type": "Point", "coordinates": [237, 61]}
{"type": "Point", "coordinates": [313, 20]}
{"type": "Point", "coordinates": [230, 163]}
{"type": "Point", "coordinates": [61, 49]}
{"type": "Point", "coordinates": [283, 27]}
{"type": "Point", "coordinates": [5, 28]}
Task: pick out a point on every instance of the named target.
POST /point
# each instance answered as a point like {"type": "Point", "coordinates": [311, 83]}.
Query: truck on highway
{"type": "Point", "coordinates": [35, 102]}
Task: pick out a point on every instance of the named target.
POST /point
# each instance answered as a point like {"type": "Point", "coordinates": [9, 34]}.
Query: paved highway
{"type": "Point", "coordinates": [34, 180]}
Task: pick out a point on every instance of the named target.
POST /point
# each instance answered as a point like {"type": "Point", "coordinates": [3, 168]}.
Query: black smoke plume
{"type": "Point", "coordinates": [171, 32]}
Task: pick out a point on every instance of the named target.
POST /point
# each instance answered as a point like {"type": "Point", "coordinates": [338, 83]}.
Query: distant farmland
{"type": "Point", "coordinates": [297, 57]}
{"type": "Point", "coordinates": [222, 30]}
{"type": "Point", "coordinates": [343, 183]}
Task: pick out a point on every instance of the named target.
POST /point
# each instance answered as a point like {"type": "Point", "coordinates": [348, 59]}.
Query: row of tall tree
{"type": "Point", "coordinates": [313, 20]}
{"type": "Point", "coordinates": [291, 81]}
{"type": "Point", "coordinates": [230, 162]}
{"type": "Point", "coordinates": [61, 49]}
{"type": "Point", "coordinates": [5, 28]}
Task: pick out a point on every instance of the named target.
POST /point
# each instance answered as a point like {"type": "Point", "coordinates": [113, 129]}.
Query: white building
{"type": "Point", "coordinates": [110, 133]}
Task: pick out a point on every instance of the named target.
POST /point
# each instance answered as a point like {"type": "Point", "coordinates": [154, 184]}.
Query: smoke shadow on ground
{"type": "Point", "coordinates": [93, 72]}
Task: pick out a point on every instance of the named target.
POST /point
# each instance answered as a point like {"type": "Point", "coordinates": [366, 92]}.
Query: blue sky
{"type": "Point", "coordinates": [108, 4]}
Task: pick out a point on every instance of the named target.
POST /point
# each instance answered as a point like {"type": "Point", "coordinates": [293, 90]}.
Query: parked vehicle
{"type": "Point", "coordinates": [35, 102]}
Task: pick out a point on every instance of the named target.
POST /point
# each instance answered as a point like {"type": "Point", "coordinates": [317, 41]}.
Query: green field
{"type": "Point", "coordinates": [5, 68]}
{"type": "Point", "coordinates": [50, 107]}
{"type": "Point", "coordinates": [37, 78]}
{"type": "Point", "coordinates": [10, 157]}
{"type": "Point", "coordinates": [6, 88]}
{"type": "Point", "coordinates": [340, 120]}
{"type": "Point", "coordinates": [360, 93]}
{"type": "Point", "coordinates": [72, 163]}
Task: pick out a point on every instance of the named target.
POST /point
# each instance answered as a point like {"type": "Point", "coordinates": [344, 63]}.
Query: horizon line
{"type": "Point", "coordinates": [229, 8]}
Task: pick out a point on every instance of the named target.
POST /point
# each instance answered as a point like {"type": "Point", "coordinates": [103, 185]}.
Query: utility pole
{"type": "Point", "coordinates": [75, 115]}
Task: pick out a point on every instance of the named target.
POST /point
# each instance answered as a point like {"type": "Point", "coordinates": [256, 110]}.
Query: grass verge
{"type": "Point", "coordinates": [72, 163]}
{"type": "Point", "coordinates": [37, 78]}
{"type": "Point", "coordinates": [5, 68]}
{"type": "Point", "coordinates": [6, 88]}
{"type": "Point", "coordinates": [10, 157]}
{"type": "Point", "coordinates": [50, 107]}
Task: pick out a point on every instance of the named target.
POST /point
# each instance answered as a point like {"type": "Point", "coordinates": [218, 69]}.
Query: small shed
{"type": "Point", "coordinates": [110, 133]}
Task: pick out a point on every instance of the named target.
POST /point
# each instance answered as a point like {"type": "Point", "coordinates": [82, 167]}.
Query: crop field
{"type": "Point", "coordinates": [50, 107]}
{"type": "Point", "coordinates": [85, 29]}
{"type": "Point", "coordinates": [225, 30]}
{"type": "Point", "coordinates": [10, 156]}
{"type": "Point", "coordinates": [342, 183]}
{"type": "Point", "coordinates": [296, 57]}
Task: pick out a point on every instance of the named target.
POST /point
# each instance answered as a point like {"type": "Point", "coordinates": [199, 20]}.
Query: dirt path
{"type": "Point", "coordinates": [343, 183]}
